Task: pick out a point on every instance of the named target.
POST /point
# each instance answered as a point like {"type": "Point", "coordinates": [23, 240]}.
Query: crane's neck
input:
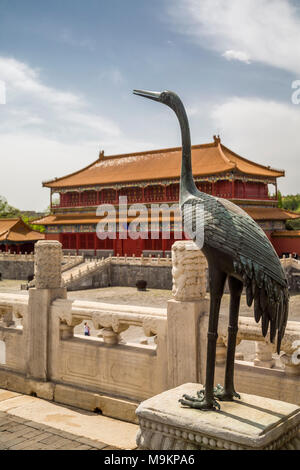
{"type": "Point", "coordinates": [187, 184]}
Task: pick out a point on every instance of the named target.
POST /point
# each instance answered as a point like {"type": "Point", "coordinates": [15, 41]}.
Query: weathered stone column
{"type": "Point", "coordinates": [185, 311]}
{"type": "Point", "coordinates": [47, 269]}
{"type": "Point", "coordinates": [264, 354]}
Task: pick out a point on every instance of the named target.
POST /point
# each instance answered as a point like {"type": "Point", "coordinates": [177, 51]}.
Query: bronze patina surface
{"type": "Point", "coordinates": [236, 249]}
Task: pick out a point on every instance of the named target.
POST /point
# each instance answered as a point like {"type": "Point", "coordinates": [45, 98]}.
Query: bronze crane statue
{"type": "Point", "coordinates": [237, 249]}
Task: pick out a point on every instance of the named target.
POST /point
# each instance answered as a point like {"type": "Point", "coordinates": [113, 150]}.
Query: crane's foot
{"type": "Point", "coordinates": [200, 403]}
{"type": "Point", "coordinates": [224, 395]}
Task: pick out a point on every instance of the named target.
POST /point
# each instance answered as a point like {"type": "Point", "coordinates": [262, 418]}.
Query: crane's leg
{"type": "Point", "coordinates": [228, 393]}
{"type": "Point", "coordinates": [205, 400]}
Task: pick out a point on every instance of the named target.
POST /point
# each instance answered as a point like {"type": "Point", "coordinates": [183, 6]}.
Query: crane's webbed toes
{"type": "Point", "coordinates": [199, 403]}
{"type": "Point", "coordinates": [224, 395]}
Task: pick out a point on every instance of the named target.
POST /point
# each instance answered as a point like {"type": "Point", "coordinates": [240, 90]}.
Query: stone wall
{"type": "Point", "coordinates": [125, 275]}
{"type": "Point", "coordinates": [16, 269]}
{"type": "Point", "coordinates": [157, 277]}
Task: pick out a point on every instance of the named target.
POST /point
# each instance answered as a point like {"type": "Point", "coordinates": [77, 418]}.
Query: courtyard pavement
{"type": "Point", "coordinates": [29, 423]}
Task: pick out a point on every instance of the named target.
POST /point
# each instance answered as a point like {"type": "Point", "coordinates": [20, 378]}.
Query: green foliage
{"type": "Point", "coordinates": [293, 224]}
{"type": "Point", "coordinates": [279, 199]}
{"type": "Point", "coordinates": [9, 212]}
{"type": "Point", "coordinates": [291, 202]}
{"type": "Point", "coordinates": [6, 210]}
{"type": "Point", "coordinates": [37, 228]}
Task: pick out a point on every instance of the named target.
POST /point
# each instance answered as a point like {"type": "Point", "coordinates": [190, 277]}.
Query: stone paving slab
{"type": "Point", "coordinates": [29, 423]}
{"type": "Point", "coordinates": [29, 438]}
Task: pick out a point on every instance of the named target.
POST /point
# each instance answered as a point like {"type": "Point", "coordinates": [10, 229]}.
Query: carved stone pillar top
{"type": "Point", "coordinates": [188, 271]}
{"type": "Point", "coordinates": [47, 266]}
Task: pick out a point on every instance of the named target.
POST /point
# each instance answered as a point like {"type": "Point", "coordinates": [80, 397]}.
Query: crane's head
{"type": "Point", "coordinates": [166, 97]}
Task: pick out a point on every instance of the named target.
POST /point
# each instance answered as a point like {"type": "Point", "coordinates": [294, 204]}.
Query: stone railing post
{"type": "Point", "coordinates": [184, 313]}
{"type": "Point", "coordinates": [264, 354]}
{"type": "Point", "coordinates": [47, 269]}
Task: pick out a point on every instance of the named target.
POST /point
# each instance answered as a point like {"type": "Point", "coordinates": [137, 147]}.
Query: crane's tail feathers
{"type": "Point", "coordinates": [271, 298]}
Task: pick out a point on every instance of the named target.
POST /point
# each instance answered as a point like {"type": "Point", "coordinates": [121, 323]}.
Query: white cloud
{"type": "Point", "coordinates": [31, 159]}
{"type": "Point", "coordinates": [22, 79]}
{"type": "Point", "coordinates": [47, 132]}
{"type": "Point", "coordinates": [266, 31]}
{"type": "Point", "coordinates": [30, 102]}
{"type": "Point", "coordinates": [237, 55]}
{"type": "Point", "coordinates": [266, 132]}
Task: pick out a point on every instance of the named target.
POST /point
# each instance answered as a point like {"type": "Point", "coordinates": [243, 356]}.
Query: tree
{"type": "Point", "coordinates": [37, 228]}
{"type": "Point", "coordinates": [6, 210]}
{"type": "Point", "coordinates": [291, 202]}
{"type": "Point", "coordinates": [279, 199]}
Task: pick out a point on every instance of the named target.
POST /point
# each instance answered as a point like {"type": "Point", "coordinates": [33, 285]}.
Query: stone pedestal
{"type": "Point", "coordinates": [253, 423]}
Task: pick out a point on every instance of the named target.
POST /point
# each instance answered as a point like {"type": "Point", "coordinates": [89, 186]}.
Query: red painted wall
{"type": "Point", "coordinates": [286, 245]}
{"type": "Point", "coordinates": [53, 236]}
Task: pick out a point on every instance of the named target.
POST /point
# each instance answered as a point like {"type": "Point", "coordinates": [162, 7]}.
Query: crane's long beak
{"type": "Point", "coordinates": [152, 95]}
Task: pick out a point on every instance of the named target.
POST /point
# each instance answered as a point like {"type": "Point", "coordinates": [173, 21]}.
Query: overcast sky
{"type": "Point", "coordinates": [69, 67]}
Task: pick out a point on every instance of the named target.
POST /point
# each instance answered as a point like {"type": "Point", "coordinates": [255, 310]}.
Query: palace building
{"type": "Point", "coordinates": [152, 177]}
{"type": "Point", "coordinates": [17, 237]}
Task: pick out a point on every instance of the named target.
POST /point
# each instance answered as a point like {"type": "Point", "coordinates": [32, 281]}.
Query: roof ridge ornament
{"type": "Point", "coordinates": [101, 155]}
{"type": "Point", "coordinates": [217, 139]}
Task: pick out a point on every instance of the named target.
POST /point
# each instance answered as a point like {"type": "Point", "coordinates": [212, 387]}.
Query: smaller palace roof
{"type": "Point", "coordinates": [270, 213]}
{"type": "Point", "coordinates": [286, 233]}
{"type": "Point", "coordinates": [257, 213]}
{"type": "Point", "coordinates": [207, 160]}
{"type": "Point", "coordinates": [15, 230]}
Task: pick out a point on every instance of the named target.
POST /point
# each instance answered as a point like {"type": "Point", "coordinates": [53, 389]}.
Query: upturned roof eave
{"type": "Point", "coordinates": [231, 166]}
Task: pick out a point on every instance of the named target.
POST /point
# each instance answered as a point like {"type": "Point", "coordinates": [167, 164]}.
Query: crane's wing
{"type": "Point", "coordinates": [231, 230]}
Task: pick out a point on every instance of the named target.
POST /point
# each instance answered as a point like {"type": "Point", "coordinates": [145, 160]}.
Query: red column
{"type": "Point", "coordinates": [77, 242]}
{"type": "Point", "coordinates": [232, 189]}
{"type": "Point", "coordinates": [95, 243]}
{"type": "Point", "coordinates": [142, 245]}
{"type": "Point", "coordinates": [213, 189]}
{"type": "Point", "coordinates": [163, 244]}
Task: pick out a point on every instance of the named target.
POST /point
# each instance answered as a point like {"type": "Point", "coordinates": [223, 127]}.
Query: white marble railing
{"type": "Point", "coordinates": [142, 260]}
{"type": "Point", "coordinates": [290, 262]}
{"type": "Point", "coordinates": [12, 306]}
{"type": "Point", "coordinates": [16, 257]}
{"type": "Point", "coordinates": [110, 319]}
{"type": "Point", "coordinates": [265, 354]}
{"type": "Point", "coordinates": [70, 262]}
{"type": "Point", "coordinates": [84, 269]}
